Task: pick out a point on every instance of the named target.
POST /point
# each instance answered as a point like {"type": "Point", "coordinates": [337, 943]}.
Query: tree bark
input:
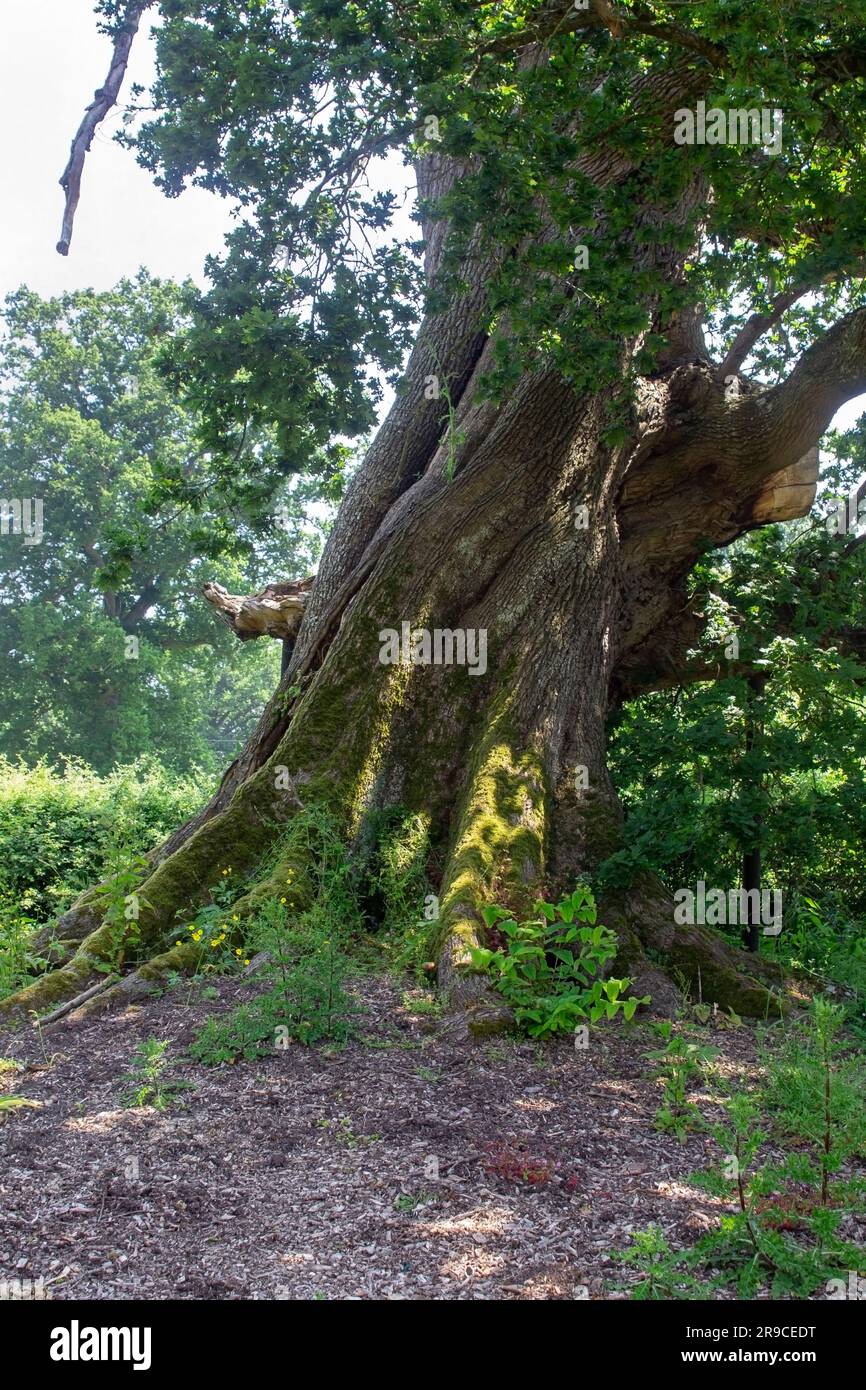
{"type": "Point", "coordinates": [571, 555]}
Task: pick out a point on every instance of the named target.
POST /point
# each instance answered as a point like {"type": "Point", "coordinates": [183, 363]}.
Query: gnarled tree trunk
{"type": "Point", "coordinates": [571, 555]}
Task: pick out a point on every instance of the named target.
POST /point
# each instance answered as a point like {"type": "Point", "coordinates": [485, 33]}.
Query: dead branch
{"type": "Point", "coordinates": [103, 100]}
{"type": "Point", "coordinates": [274, 612]}
{"type": "Point", "coordinates": [79, 999]}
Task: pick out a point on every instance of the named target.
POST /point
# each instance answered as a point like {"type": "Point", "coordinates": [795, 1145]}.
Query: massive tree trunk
{"type": "Point", "coordinates": [571, 555]}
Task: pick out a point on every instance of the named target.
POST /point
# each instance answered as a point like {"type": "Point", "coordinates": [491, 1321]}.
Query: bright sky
{"type": "Point", "coordinates": [51, 62]}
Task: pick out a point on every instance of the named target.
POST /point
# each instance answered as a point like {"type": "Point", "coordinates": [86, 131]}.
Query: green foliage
{"type": "Point", "coordinates": [64, 828]}
{"type": "Point", "coordinates": [420, 1004]}
{"type": "Point", "coordinates": [408, 1202]}
{"type": "Point", "coordinates": [665, 1273]}
{"type": "Point", "coordinates": [108, 648]}
{"type": "Point", "coordinates": [10, 1103]}
{"type": "Point", "coordinates": [816, 1090]}
{"type": "Point", "coordinates": [401, 910]}
{"type": "Point", "coordinates": [697, 796]}
{"type": "Point", "coordinates": [546, 966]}
{"type": "Point", "coordinates": [147, 1082]}
{"type": "Point", "coordinates": [307, 967]}
{"type": "Point", "coordinates": [304, 1000]}
{"type": "Point", "coordinates": [319, 287]}
{"type": "Point", "coordinates": [119, 906]}
{"type": "Point", "coordinates": [681, 1062]}
{"type": "Point", "coordinates": [786, 1235]}
{"type": "Point", "coordinates": [826, 940]}
{"type": "Point", "coordinates": [215, 929]}
{"type": "Point", "coordinates": [302, 951]}
{"type": "Point", "coordinates": [18, 962]}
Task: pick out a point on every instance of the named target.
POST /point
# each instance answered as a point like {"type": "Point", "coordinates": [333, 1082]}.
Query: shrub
{"type": "Point", "coordinates": [546, 967]}
{"type": "Point", "coordinates": [305, 967]}
{"type": "Point", "coordinates": [147, 1082]}
{"type": "Point", "coordinates": [790, 1224]}
{"type": "Point", "coordinates": [63, 829]}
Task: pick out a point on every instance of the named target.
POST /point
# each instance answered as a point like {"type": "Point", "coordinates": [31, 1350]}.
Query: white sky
{"type": "Point", "coordinates": [51, 62]}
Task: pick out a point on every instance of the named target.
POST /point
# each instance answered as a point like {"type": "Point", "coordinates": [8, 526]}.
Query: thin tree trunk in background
{"type": "Point", "coordinates": [752, 857]}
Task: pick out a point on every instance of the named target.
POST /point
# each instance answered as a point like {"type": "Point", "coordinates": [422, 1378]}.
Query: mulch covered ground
{"type": "Point", "coordinates": [408, 1165]}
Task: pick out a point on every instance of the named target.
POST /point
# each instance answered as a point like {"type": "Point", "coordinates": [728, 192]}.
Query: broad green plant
{"type": "Point", "coordinates": [548, 968]}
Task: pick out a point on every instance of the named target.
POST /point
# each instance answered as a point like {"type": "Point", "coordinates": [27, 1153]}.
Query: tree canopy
{"type": "Point", "coordinates": [290, 108]}
{"type": "Point", "coordinates": [108, 648]}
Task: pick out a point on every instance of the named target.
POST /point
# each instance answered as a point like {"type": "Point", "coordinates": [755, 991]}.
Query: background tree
{"type": "Point", "coordinates": [107, 648]}
{"type": "Point", "coordinates": [786, 604]}
{"type": "Point", "coordinates": [565, 444]}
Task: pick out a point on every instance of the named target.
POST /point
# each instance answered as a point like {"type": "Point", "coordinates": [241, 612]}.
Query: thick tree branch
{"type": "Point", "coordinates": [755, 327]}
{"type": "Point", "coordinates": [714, 464]}
{"type": "Point", "coordinates": [274, 612]}
{"type": "Point", "coordinates": [758, 324]}
{"type": "Point", "coordinates": [840, 64]}
{"type": "Point", "coordinates": [147, 598]}
{"type": "Point", "coordinates": [788, 421]}
{"type": "Point", "coordinates": [103, 100]}
{"type": "Point", "coordinates": [562, 17]}
{"type": "Point", "coordinates": [759, 446]}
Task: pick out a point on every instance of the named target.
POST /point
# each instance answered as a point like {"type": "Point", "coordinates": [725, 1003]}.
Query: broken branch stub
{"type": "Point", "coordinates": [274, 612]}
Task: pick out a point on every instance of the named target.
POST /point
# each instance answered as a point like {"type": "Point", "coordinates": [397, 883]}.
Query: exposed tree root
{"type": "Point", "coordinates": [139, 983]}
{"type": "Point", "coordinates": [498, 855]}
{"type": "Point", "coordinates": [57, 1014]}
{"type": "Point", "coordinates": [667, 960]}
{"type": "Point", "coordinates": [502, 849]}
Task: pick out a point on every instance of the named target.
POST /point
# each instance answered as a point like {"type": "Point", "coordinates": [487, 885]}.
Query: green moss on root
{"type": "Point", "coordinates": [713, 978]}
{"type": "Point", "coordinates": [59, 985]}
{"type": "Point", "coordinates": [498, 850]}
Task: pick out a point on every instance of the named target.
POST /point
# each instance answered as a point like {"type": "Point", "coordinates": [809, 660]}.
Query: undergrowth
{"type": "Point", "coordinates": [548, 968]}
{"type": "Point", "coordinates": [792, 1198]}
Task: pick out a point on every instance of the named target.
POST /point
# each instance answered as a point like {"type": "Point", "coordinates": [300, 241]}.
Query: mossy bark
{"type": "Point", "coordinates": [506, 765]}
{"type": "Point", "coordinates": [560, 523]}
